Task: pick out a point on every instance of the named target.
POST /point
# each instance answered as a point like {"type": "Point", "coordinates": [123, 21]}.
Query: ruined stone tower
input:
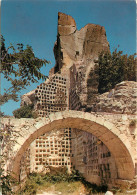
{"type": "Point", "coordinates": [69, 87]}
{"type": "Point", "coordinates": [75, 52]}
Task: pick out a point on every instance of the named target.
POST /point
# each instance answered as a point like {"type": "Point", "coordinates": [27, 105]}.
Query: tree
{"type": "Point", "coordinates": [20, 67]}
{"type": "Point", "coordinates": [114, 68]}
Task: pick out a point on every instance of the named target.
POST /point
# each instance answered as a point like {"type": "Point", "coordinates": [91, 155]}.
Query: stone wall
{"type": "Point", "coordinates": [112, 129]}
{"type": "Point", "coordinates": [71, 86]}
{"type": "Point", "coordinates": [93, 159]}
{"type": "Point", "coordinates": [52, 96]}
{"type": "Point", "coordinates": [52, 149]}
{"type": "Point", "coordinates": [78, 48]}
{"type": "Point", "coordinates": [122, 99]}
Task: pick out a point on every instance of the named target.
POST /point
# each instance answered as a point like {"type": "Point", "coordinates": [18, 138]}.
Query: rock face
{"type": "Point", "coordinates": [66, 24]}
{"type": "Point", "coordinates": [77, 50]}
{"type": "Point", "coordinates": [28, 98]}
{"type": "Point", "coordinates": [72, 85]}
{"type": "Point", "coordinates": [77, 45]}
{"type": "Point", "coordinates": [122, 99]}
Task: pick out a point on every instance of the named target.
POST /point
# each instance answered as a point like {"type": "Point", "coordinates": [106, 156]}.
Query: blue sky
{"type": "Point", "coordinates": [35, 23]}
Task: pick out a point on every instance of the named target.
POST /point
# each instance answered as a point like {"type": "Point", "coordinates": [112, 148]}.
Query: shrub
{"type": "Point", "coordinates": [114, 68]}
{"type": "Point", "coordinates": [36, 180]}
{"type": "Point", "coordinates": [26, 111]}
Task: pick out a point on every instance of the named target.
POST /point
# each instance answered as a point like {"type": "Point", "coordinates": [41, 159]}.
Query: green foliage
{"type": "Point", "coordinates": [36, 180]}
{"type": "Point", "coordinates": [25, 111]}
{"type": "Point", "coordinates": [1, 114]}
{"type": "Point", "coordinates": [6, 183]}
{"type": "Point", "coordinates": [114, 68]}
{"type": "Point", "coordinates": [20, 67]}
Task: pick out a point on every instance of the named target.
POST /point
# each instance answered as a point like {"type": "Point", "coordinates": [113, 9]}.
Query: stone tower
{"type": "Point", "coordinates": [69, 87]}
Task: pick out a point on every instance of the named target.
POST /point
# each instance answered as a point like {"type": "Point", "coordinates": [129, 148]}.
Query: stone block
{"type": "Point", "coordinates": [108, 125]}
{"type": "Point", "coordinates": [66, 30]}
{"type": "Point", "coordinates": [64, 19]}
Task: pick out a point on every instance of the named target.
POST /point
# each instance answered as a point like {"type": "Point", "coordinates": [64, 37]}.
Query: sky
{"type": "Point", "coordinates": [34, 22]}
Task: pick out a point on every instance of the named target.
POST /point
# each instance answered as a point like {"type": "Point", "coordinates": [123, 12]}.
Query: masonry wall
{"type": "Point", "coordinates": [92, 158]}
{"type": "Point", "coordinates": [69, 148]}
{"type": "Point", "coordinates": [53, 149]}
{"type": "Point", "coordinates": [71, 86]}
{"type": "Point", "coordinates": [51, 96]}
{"type": "Point", "coordinates": [25, 165]}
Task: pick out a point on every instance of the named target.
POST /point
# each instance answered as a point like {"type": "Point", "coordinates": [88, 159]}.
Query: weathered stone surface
{"type": "Point", "coordinates": [77, 49]}
{"type": "Point", "coordinates": [109, 193]}
{"type": "Point", "coordinates": [67, 87]}
{"type": "Point", "coordinates": [75, 52]}
{"type": "Point", "coordinates": [28, 98]}
{"type": "Point", "coordinates": [121, 99]}
{"type": "Point", "coordinates": [66, 30]}
{"type": "Point", "coordinates": [83, 44]}
{"type": "Point", "coordinates": [122, 150]}
{"type": "Point", "coordinates": [64, 19]}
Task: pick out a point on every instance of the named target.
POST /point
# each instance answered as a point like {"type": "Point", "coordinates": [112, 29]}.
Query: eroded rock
{"type": "Point", "coordinates": [77, 45]}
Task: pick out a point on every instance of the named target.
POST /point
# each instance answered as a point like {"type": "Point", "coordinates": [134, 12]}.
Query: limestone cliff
{"type": "Point", "coordinates": [122, 99]}
{"type": "Point", "coordinates": [77, 49]}
{"type": "Point", "coordinates": [74, 45]}
{"type": "Point", "coordinates": [73, 75]}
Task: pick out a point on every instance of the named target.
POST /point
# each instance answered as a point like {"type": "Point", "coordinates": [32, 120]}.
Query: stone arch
{"type": "Point", "coordinates": [116, 142]}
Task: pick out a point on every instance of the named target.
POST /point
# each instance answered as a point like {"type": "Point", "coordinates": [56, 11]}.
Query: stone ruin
{"type": "Point", "coordinates": [69, 87]}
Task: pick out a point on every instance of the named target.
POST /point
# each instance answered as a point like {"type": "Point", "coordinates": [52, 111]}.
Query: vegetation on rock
{"type": "Point", "coordinates": [114, 68]}
{"type": "Point", "coordinates": [26, 111]}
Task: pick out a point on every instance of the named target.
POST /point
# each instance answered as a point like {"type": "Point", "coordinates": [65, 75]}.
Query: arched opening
{"type": "Point", "coordinates": [70, 149]}
{"type": "Point", "coordinates": [103, 130]}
